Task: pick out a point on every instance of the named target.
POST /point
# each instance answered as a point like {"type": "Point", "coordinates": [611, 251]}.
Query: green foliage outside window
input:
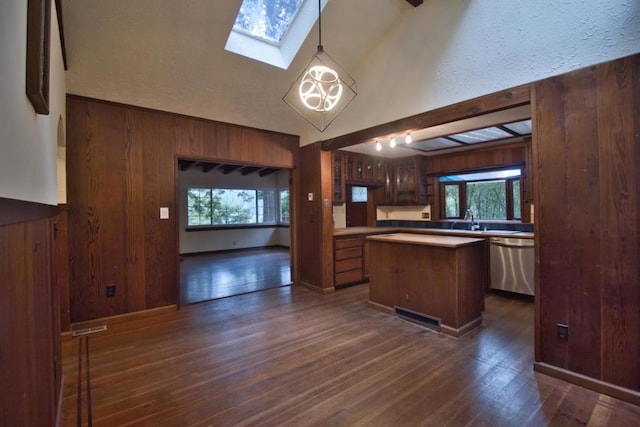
{"type": "Point", "coordinates": [221, 206]}
{"type": "Point", "coordinates": [484, 193]}
{"type": "Point", "coordinates": [487, 199]}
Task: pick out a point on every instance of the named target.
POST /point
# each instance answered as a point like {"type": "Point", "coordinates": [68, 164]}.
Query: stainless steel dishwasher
{"type": "Point", "coordinates": [512, 264]}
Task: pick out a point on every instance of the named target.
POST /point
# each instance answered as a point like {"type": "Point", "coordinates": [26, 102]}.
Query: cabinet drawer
{"type": "Point", "coordinates": [348, 243]}
{"type": "Point", "coordinates": [348, 265]}
{"type": "Point", "coordinates": [348, 253]}
{"type": "Point", "coordinates": [348, 277]}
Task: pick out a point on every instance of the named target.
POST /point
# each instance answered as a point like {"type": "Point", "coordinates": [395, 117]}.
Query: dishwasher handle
{"type": "Point", "coordinates": [497, 242]}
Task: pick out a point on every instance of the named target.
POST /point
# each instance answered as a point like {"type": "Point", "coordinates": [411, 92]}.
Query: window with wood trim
{"type": "Point", "coordinates": [493, 195]}
{"type": "Point", "coordinates": [228, 206]}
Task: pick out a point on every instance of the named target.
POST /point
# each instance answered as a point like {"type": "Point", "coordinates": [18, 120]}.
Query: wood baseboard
{"type": "Point", "coordinates": [599, 386]}
{"type": "Point", "coordinates": [380, 307]}
{"type": "Point", "coordinates": [318, 289]}
{"type": "Point", "coordinates": [458, 332]}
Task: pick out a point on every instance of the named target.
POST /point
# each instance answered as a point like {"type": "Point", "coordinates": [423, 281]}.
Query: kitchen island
{"type": "Point", "coordinates": [435, 280]}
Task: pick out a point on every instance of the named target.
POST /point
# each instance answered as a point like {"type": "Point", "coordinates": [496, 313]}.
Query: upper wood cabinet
{"type": "Point", "coordinates": [405, 182]}
{"type": "Point", "coordinates": [402, 181]}
{"type": "Point", "coordinates": [337, 178]}
{"type": "Point", "coordinates": [409, 182]}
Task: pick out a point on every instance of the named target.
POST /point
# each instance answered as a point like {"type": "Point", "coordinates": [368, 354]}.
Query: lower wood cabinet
{"type": "Point", "coordinates": [349, 264]}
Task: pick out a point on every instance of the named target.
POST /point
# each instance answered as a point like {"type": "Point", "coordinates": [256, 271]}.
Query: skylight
{"type": "Point", "coordinates": [503, 132]}
{"type": "Point", "coordinates": [272, 31]}
{"type": "Point", "coordinates": [266, 20]}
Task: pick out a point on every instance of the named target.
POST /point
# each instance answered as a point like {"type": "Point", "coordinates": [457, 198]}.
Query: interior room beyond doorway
{"type": "Point", "coordinates": [233, 229]}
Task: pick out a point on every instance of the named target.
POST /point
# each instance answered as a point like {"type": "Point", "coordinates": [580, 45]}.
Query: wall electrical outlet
{"type": "Point", "coordinates": [425, 215]}
{"type": "Point", "coordinates": [111, 290]}
{"type": "Point", "coordinates": [563, 331]}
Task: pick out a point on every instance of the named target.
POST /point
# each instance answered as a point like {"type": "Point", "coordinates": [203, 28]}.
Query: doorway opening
{"type": "Point", "coordinates": [234, 233]}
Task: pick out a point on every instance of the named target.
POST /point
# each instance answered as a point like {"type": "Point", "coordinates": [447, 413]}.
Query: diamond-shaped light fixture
{"type": "Point", "coordinates": [323, 89]}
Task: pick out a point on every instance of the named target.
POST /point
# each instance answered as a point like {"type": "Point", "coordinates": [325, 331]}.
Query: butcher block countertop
{"type": "Point", "coordinates": [426, 239]}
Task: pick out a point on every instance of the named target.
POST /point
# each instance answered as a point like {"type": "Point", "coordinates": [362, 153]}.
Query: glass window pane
{"type": "Point", "coordinates": [266, 20]}
{"type": "Point", "coordinates": [359, 194]}
{"type": "Point", "coordinates": [198, 206]}
{"type": "Point", "coordinates": [266, 206]}
{"type": "Point", "coordinates": [487, 199]}
{"type": "Point", "coordinates": [481, 135]}
{"type": "Point", "coordinates": [516, 199]}
{"type": "Point", "coordinates": [234, 206]}
{"type": "Point", "coordinates": [452, 201]}
{"type": "Point", "coordinates": [523, 127]}
{"type": "Point", "coordinates": [284, 206]}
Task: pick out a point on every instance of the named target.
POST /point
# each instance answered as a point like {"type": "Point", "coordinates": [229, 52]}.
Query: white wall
{"type": "Point", "coordinates": [28, 141]}
{"type": "Point", "coordinates": [447, 51]}
{"type": "Point", "coordinates": [214, 240]}
{"type": "Point", "coordinates": [406, 213]}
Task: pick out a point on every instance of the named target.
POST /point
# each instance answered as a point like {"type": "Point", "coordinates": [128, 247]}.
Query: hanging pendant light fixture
{"type": "Point", "coordinates": [323, 89]}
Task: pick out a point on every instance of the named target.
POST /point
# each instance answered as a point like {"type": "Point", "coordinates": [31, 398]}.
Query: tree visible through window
{"type": "Point", "coordinates": [284, 207]}
{"type": "Point", "coordinates": [222, 206]}
{"type": "Point", "coordinates": [268, 20]}
{"type": "Point", "coordinates": [489, 195]}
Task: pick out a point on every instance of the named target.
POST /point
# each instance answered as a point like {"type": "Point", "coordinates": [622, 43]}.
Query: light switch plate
{"type": "Point", "coordinates": [164, 213]}
{"type": "Point", "coordinates": [310, 197]}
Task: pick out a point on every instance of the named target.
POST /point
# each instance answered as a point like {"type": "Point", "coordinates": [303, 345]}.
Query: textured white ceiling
{"type": "Point", "coordinates": [169, 55]}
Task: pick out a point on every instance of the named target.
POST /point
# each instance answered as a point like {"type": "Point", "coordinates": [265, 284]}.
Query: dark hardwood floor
{"type": "Point", "coordinates": [289, 356]}
{"type": "Point", "coordinates": [210, 276]}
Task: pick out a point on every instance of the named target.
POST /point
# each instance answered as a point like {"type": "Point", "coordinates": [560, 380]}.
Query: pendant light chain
{"type": "Point", "coordinates": [320, 48]}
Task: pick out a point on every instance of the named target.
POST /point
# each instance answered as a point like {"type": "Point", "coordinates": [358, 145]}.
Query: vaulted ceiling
{"type": "Point", "coordinates": [169, 55]}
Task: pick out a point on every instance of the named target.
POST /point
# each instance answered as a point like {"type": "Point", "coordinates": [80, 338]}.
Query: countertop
{"type": "Point", "coordinates": [426, 239]}
{"type": "Point", "coordinates": [432, 231]}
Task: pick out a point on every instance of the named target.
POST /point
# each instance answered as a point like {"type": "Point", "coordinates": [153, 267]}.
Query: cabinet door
{"type": "Point", "coordinates": [389, 186]}
{"type": "Point", "coordinates": [410, 182]}
{"type": "Point", "coordinates": [405, 182]}
{"type": "Point", "coordinates": [338, 178]}
{"type": "Point", "coordinates": [380, 171]}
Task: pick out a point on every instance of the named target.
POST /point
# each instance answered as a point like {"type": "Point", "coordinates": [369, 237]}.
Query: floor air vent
{"type": "Point", "coordinates": [419, 318]}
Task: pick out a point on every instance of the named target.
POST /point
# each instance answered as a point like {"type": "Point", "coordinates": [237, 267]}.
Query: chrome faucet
{"type": "Point", "coordinates": [469, 216]}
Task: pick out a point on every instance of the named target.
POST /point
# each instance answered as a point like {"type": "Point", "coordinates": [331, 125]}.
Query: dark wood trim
{"type": "Point", "coordinates": [61, 31]}
{"type": "Point", "coordinates": [318, 289]}
{"type": "Point", "coordinates": [16, 211]}
{"type": "Point", "coordinates": [621, 393]}
{"type": "Point", "coordinates": [497, 101]}
{"type": "Point", "coordinates": [38, 52]}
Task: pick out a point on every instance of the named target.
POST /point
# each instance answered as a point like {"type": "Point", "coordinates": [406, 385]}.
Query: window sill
{"type": "Point", "coordinates": [232, 227]}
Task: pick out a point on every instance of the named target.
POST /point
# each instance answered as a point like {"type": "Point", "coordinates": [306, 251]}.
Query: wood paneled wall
{"type": "Point", "coordinates": [310, 217]}
{"type": "Point", "coordinates": [504, 155]}
{"type": "Point", "coordinates": [586, 155]}
{"type": "Point", "coordinates": [30, 361]}
{"type": "Point", "coordinates": [121, 168]}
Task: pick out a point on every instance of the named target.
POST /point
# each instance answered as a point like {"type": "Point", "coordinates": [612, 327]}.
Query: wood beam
{"type": "Point", "coordinates": [248, 170]}
{"type": "Point", "coordinates": [267, 171]}
{"type": "Point", "coordinates": [509, 98]}
{"type": "Point", "coordinates": [227, 169]}
{"type": "Point", "coordinates": [185, 165]}
{"type": "Point", "coordinates": [206, 167]}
